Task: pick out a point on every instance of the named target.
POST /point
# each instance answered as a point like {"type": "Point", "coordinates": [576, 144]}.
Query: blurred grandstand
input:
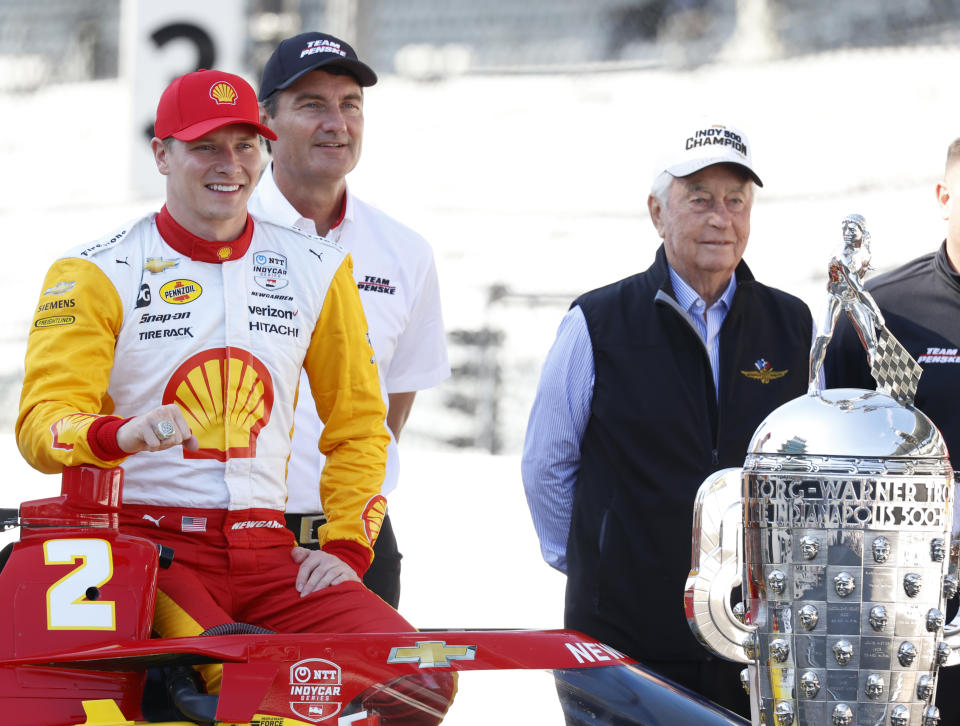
{"type": "Point", "coordinates": [57, 41]}
{"type": "Point", "coordinates": [543, 57]}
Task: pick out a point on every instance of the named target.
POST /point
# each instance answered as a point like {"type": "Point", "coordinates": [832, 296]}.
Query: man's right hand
{"type": "Point", "coordinates": [141, 433]}
{"type": "Point", "coordinates": [319, 569]}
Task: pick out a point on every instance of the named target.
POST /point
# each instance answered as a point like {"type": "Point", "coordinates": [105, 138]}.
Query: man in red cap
{"type": "Point", "coordinates": [173, 347]}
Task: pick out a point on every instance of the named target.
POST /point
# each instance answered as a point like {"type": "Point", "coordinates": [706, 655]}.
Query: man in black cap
{"type": "Point", "coordinates": [312, 93]}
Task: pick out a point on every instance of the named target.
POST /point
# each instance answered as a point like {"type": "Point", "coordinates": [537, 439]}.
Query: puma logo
{"type": "Point", "coordinates": [155, 520]}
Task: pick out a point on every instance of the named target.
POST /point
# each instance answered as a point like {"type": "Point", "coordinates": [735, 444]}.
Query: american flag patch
{"type": "Point", "coordinates": [193, 524]}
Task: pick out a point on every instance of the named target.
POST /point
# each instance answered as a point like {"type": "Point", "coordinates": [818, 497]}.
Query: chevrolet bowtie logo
{"type": "Point", "coordinates": [156, 265]}
{"type": "Point", "coordinates": [432, 654]}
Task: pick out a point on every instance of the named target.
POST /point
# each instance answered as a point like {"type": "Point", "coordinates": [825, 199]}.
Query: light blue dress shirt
{"type": "Point", "coordinates": [561, 409]}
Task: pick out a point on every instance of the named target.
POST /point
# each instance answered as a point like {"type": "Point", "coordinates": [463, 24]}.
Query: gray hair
{"type": "Point", "coordinates": [661, 187]}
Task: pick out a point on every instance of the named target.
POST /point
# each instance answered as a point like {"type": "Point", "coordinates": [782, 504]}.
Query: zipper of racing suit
{"type": "Point", "coordinates": [712, 401]}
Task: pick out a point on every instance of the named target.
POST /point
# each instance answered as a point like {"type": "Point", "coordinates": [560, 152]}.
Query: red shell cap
{"type": "Point", "coordinates": [200, 102]}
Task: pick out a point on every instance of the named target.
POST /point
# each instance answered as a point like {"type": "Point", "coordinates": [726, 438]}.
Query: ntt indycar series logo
{"type": "Point", "coordinates": [270, 270]}
{"type": "Point", "coordinates": [314, 684]}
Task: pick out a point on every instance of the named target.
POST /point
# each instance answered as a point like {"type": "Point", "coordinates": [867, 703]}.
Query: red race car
{"type": "Point", "coordinates": [76, 649]}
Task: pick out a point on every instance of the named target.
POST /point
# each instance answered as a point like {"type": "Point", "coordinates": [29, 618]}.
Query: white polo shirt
{"type": "Point", "coordinates": [397, 279]}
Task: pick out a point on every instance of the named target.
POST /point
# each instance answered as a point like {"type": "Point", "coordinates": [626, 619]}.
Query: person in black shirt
{"type": "Point", "coordinates": [920, 302]}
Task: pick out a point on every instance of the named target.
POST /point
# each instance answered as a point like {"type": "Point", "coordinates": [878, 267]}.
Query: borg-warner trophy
{"type": "Point", "coordinates": [839, 527]}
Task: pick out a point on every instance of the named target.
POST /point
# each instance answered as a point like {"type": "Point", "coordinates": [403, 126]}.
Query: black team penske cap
{"type": "Point", "coordinates": [297, 56]}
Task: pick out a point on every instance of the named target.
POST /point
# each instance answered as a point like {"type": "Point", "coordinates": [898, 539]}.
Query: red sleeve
{"type": "Point", "coordinates": [354, 554]}
{"type": "Point", "coordinates": [102, 437]}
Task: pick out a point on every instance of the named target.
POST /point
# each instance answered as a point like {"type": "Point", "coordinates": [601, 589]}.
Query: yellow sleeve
{"type": "Point", "coordinates": [67, 367]}
{"type": "Point", "coordinates": [346, 388]}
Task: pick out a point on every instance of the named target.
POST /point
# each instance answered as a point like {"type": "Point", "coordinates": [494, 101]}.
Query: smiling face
{"type": "Point", "coordinates": [705, 225]}
{"type": "Point", "coordinates": [210, 179]}
{"type": "Point", "coordinates": [319, 126]}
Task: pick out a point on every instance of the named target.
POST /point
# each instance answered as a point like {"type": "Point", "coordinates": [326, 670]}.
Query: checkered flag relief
{"type": "Point", "coordinates": [894, 369]}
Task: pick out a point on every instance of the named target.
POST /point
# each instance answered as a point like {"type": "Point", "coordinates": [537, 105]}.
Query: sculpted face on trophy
{"type": "Point", "coordinates": [938, 550]}
{"type": "Point", "coordinates": [842, 715]}
{"type": "Point", "coordinates": [809, 547]}
{"type": "Point", "coordinates": [950, 586]}
{"type": "Point", "coordinates": [925, 688]}
{"type": "Point", "coordinates": [912, 582]}
{"type": "Point", "coordinates": [783, 713]}
{"type": "Point", "coordinates": [777, 581]}
{"type": "Point", "coordinates": [899, 715]}
{"type": "Point", "coordinates": [809, 617]}
{"type": "Point", "coordinates": [810, 684]}
{"type": "Point", "coordinates": [779, 650]}
{"type": "Point", "coordinates": [881, 550]}
{"type": "Point", "coordinates": [942, 653]}
{"type": "Point", "coordinates": [843, 652]}
{"type": "Point", "coordinates": [934, 620]}
{"type": "Point", "coordinates": [844, 584]}
{"type": "Point", "coordinates": [874, 686]}
{"type": "Point", "coordinates": [906, 654]}
{"type": "Point", "coordinates": [878, 617]}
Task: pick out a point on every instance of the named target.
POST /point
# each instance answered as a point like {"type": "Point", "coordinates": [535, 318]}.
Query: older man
{"type": "Point", "coordinates": [653, 383]}
{"type": "Point", "coordinates": [312, 96]}
{"type": "Point", "coordinates": [920, 302]}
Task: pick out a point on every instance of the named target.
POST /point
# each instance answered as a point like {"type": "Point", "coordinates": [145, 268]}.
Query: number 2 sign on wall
{"type": "Point", "coordinates": [163, 40]}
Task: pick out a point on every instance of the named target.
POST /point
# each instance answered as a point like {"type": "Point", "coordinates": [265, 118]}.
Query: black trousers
{"type": "Point", "coordinates": [383, 577]}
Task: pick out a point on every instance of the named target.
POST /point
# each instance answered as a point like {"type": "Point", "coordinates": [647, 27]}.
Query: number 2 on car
{"type": "Point", "coordinates": [68, 604]}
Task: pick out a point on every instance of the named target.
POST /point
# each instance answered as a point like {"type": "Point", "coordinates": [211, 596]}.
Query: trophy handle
{"type": "Point", "coordinates": [716, 566]}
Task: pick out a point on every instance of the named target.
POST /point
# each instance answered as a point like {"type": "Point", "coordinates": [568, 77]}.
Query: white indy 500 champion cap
{"type": "Point", "coordinates": [705, 145]}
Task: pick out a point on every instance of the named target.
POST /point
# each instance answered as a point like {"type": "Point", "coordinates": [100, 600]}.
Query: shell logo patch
{"type": "Point", "coordinates": [226, 397]}
{"type": "Point", "coordinates": [223, 93]}
{"type": "Point", "coordinates": [764, 372]}
{"type": "Point", "coordinates": [180, 292]}
{"type": "Point", "coordinates": [373, 514]}
{"type": "Point", "coordinates": [65, 432]}
{"type": "Point", "coordinates": [60, 288]}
